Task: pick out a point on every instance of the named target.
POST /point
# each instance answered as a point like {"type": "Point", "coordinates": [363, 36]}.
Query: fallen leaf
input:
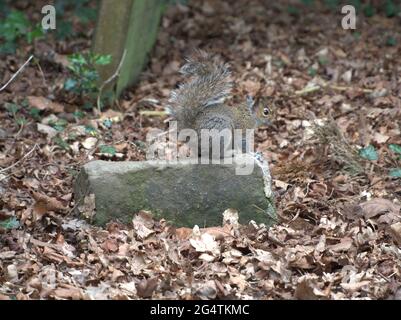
{"type": "Point", "coordinates": [146, 287]}
{"type": "Point", "coordinates": [378, 206]}
{"type": "Point", "coordinates": [206, 243]}
{"type": "Point", "coordinates": [45, 204]}
{"type": "Point", "coordinates": [344, 245]}
{"type": "Point", "coordinates": [47, 130]}
{"type": "Point", "coordinates": [43, 103]}
{"type": "Point", "coordinates": [89, 143]}
{"type": "Point", "coordinates": [396, 232]}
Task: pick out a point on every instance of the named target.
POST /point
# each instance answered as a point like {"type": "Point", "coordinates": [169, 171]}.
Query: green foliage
{"type": "Point", "coordinates": [369, 153]}
{"type": "Point", "coordinates": [323, 60]}
{"type": "Point", "coordinates": [34, 113]}
{"type": "Point", "coordinates": [91, 130]}
{"type": "Point", "coordinates": [20, 112]}
{"type": "Point", "coordinates": [59, 125]}
{"type": "Point", "coordinates": [107, 149]}
{"type": "Point", "coordinates": [10, 223]}
{"type": "Point", "coordinates": [395, 148]}
{"type": "Point", "coordinates": [369, 10]}
{"type": "Point", "coordinates": [312, 71]}
{"type": "Point", "coordinates": [332, 4]}
{"type": "Point", "coordinates": [84, 76]}
{"type": "Point", "coordinates": [80, 9]}
{"type": "Point", "coordinates": [64, 30]}
{"type": "Point", "coordinates": [61, 143]}
{"type": "Point", "coordinates": [356, 4]}
{"type": "Point", "coordinates": [108, 123]}
{"type": "Point", "coordinates": [307, 2]}
{"type": "Point", "coordinates": [79, 114]}
{"type": "Point", "coordinates": [395, 173]}
{"type": "Point", "coordinates": [391, 41]}
{"type": "Point", "coordinates": [14, 27]}
{"type": "Point", "coordinates": [391, 9]}
{"type": "Point", "coordinates": [14, 110]}
{"type": "Point", "coordinates": [292, 10]}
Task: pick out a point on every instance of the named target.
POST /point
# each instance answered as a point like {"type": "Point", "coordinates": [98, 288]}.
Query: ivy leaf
{"type": "Point", "coordinates": [20, 121]}
{"type": "Point", "coordinates": [34, 34]}
{"type": "Point", "coordinates": [11, 223]}
{"type": "Point", "coordinates": [79, 114]}
{"type": "Point", "coordinates": [91, 130]}
{"type": "Point", "coordinates": [395, 148]}
{"type": "Point", "coordinates": [369, 153]}
{"type": "Point", "coordinates": [391, 42]}
{"type": "Point", "coordinates": [102, 59]}
{"type": "Point", "coordinates": [12, 108]}
{"type": "Point", "coordinates": [61, 143]}
{"type": "Point", "coordinates": [390, 8]}
{"type": "Point", "coordinates": [70, 84]}
{"type": "Point", "coordinates": [107, 149]}
{"type": "Point", "coordinates": [108, 123]}
{"type": "Point", "coordinates": [395, 173]}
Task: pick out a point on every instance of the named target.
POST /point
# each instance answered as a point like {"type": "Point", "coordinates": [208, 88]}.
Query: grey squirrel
{"type": "Point", "coordinates": [199, 103]}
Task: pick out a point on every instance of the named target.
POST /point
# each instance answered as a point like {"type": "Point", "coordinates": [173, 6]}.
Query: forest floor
{"type": "Point", "coordinates": [337, 188]}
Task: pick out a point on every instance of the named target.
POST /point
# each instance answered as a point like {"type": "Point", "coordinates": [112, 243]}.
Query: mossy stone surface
{"type": "Point", "coordinates": [184, 193]}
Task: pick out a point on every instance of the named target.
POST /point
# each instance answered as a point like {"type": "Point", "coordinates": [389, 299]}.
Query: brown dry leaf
{"type": "Point", "coordinates": [230, 217]}
{"type": "Point", "coordinates": [380, 138]}
{"type": "Point", "coordinates": [43, 103]}
{"type": "Point", "coordinates": [305, 290]}
{"type": "Point", "coordinates": [47, 130]}
{"type": "Point", "coordinates": [219, 233]}
{"type": "Point", "coordinates": [251, 87]}
{"type": "Point", "coordinates": [206, 243]}
{"type": "Point", "coordinates": [110, 245]}
{"type": "Point", "coordinates": [61, 59]}
{"type": "Point", "coordinates": [344, 245]}
{"type": "Point", "coordinates": [396, 232]}
{"type": "Point", "coordinates": [45, 204]}
{"type": "Point", "coordinates": [88, 207]}
{"type": "Point", "coordinates": [143, 224]}
{"type": "Point", "coordinates": [379, 206]}
{"type": "Point", "coordinates": [146, 287]}
{"type": "Point", "coordinates": [69, 292]}
{"type": "Point", "coordinates": [354, 286]}
{"type": "Point", "coordinates": [206, 291]}
{"type": "Point", "coordinates": [183, 233]}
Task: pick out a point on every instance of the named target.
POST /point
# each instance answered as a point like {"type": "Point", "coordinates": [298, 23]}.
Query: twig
{"type": "Point", "coordinates": [15, 74]}
{"type": "Point", "coordinates": [327, 85]}
{"type": "Point", "coordinates": [153, 113]}
{"type": "Point", "coordinates": [25, 156]}
{"type": "Point", "coordinates": [115, 75]}
{"type": "Point", "coordinates": [43, 76]}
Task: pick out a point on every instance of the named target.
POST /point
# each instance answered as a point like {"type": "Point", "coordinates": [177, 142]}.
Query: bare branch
{"type": "Point", "coordinates": [115, 75]}
{"type": "Point", "coordinates": [15, 74]}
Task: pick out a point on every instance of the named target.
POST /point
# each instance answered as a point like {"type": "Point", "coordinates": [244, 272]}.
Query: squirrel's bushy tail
{"type": "Point", "coordinates": [210, 84]}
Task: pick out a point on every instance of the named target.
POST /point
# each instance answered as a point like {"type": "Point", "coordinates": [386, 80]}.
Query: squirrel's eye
{"type": "Point", "coordinates": [266, 111]}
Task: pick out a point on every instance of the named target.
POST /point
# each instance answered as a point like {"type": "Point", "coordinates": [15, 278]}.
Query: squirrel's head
{"type": "Point", "coordinates": [263, 109]}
